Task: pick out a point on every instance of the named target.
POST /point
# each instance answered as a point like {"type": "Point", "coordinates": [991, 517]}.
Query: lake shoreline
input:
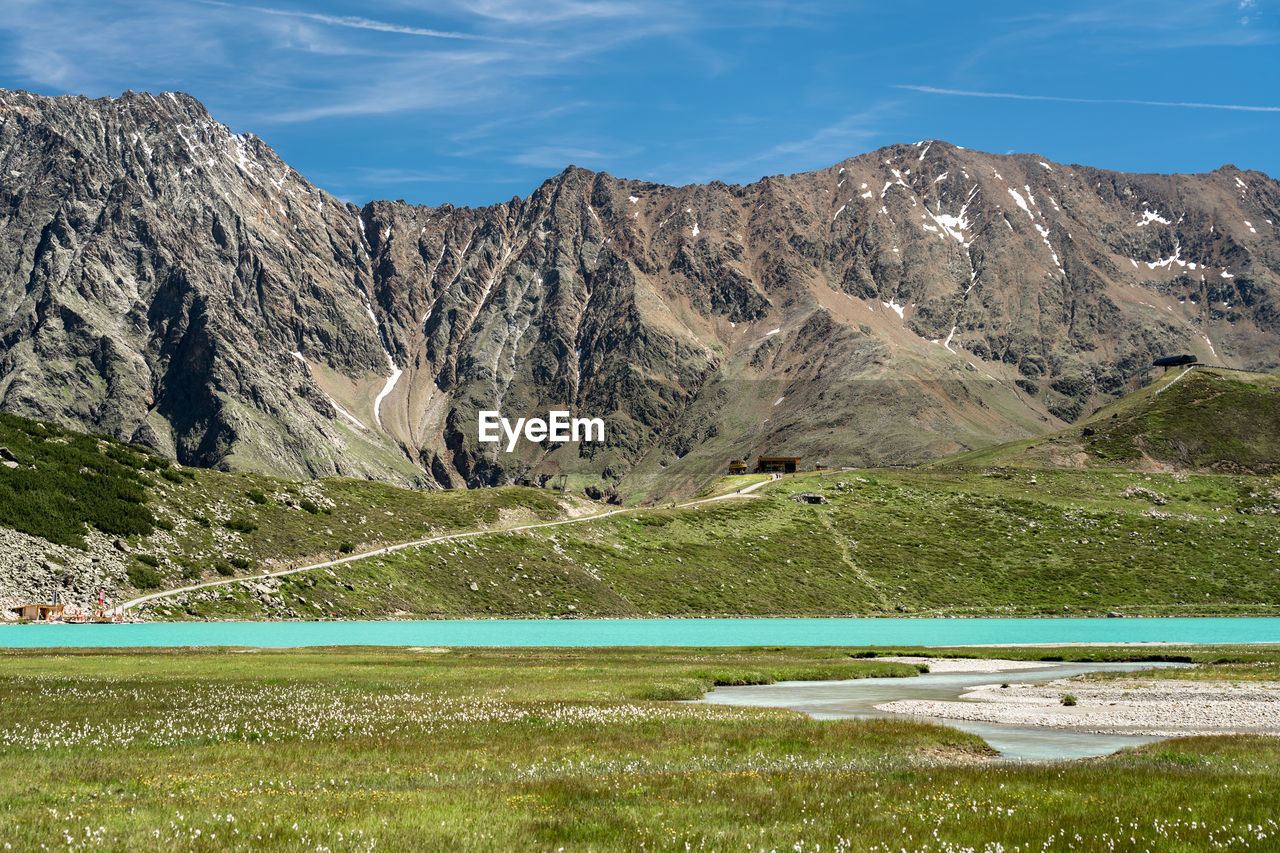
{"type": "Point", "coordinates": [1252, 613]}
{"type": "Point", "coordinates": [870, 634]}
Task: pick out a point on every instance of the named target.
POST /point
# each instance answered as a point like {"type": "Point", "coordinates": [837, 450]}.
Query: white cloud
{"type": "Point", "coordinates": [483, 59]}
{"type": "Point", "coordinates": [846, 137]}
{"type": "Point", "coordinates": [438, 79]}
{"type": "Point", "coordinates": [553, 11]}
{"type": "Point", "coordinates": [934, 90]}
{"type": "Point", "coordinates": [560, 156]}
{"type": "Point", "coordinates": [358, 23]}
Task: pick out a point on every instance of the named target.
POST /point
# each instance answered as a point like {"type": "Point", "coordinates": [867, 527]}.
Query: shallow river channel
{"type": "Point", "coordinates": [857, 698]}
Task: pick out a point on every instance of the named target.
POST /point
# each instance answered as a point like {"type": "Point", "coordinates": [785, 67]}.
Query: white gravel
{"type": "Point", "coordinates": [940, 665]}
{"type": "Point", "coordinates": [1167, 708]}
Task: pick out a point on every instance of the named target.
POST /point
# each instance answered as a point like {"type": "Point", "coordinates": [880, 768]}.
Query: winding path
{"type": "Point", "coordinates": [390, 549]}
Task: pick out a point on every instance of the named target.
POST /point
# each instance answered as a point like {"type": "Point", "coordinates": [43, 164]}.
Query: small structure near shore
{"type": "Point", "coordinates": [38, 612]}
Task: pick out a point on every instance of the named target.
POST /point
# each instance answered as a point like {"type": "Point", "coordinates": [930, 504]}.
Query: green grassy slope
{"type": "Point", "coordinates": [994, 533]}
{"type": "Point", "coordinates": [1207, 420]}
{"type": "Point", "coordinates": [1005, 541]}
{"type": "Point", "coordinates": [170, 525]}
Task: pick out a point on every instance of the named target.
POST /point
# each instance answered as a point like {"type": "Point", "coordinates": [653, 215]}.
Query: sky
{"type": "Point", "coordinates": [473, 102]}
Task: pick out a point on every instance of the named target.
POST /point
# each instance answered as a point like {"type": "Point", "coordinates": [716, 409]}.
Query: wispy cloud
{"type": "Point", "coordinates": [467, 137]}
{"type": "Point", "coordinates": [1107, 30]}
{"type": "Point", "coordinates": [466, 100]}
{"type": "Point", "coordinates": [560, 156]}
{"type": "Point", "coordinates": [395, 177]}
{"type": "Point", "coordinates": [966, 93]}
{"type": "Point", "coordinates": [357, 23]}
{"type": "Point", "coordinates": [843, 138]}
{"type": "Point", "coordinates": [400, 177]}
{"type": "Point", "coordinates": [441, 80]}
{"type": "Point", "coordinates": [553, 11]}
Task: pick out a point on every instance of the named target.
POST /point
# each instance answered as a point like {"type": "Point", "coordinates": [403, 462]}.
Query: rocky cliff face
{"type": "Point", "coordinates": [169, 282]}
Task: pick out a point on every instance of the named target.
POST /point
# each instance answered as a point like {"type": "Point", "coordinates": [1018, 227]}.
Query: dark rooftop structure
{"type": "Point", "coordinates": [1174, 361]}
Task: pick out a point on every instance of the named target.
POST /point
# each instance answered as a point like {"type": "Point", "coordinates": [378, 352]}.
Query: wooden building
{"type": "Point", "coordinates": [38, 612]}
{"type": "Point", "coordinates": [777, 464]}
{"type": "Point", "coordinates": [738, 466]}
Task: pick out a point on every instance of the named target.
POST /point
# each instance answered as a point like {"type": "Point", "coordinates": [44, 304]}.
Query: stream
{"type": "Point", "coordinates": [857, 698]}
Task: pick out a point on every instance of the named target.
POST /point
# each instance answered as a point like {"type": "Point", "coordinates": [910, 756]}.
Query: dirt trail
{"type": "Point", "coordinates": [391, 549]}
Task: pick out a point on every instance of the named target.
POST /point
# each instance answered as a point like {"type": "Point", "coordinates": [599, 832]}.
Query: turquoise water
{"type": "Point", "coordinates": [648, 632]}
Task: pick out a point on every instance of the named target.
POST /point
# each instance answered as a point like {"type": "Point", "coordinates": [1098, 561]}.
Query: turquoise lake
{"type": "Point", "coordinates": [648, 632]}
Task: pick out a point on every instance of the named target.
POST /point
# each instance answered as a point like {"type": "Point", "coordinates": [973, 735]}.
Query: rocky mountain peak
{"type": "Point", "coordinates": [173, 283]}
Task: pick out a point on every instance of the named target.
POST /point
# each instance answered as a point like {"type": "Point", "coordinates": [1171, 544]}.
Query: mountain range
{"type": "Point", "coordinates": [173, 284]}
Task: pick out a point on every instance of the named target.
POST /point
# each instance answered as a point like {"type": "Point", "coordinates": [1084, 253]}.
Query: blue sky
{"type": "Point", "coordinates": [474, 101]}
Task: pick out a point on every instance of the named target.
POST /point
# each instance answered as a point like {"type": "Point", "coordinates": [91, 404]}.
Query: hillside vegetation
{"type": "Point", "coordinates": [1199, 419]}
{"type": "Point", "coordinates": [120, 518]}
{"type": "Point", "coordinates": [999, 541]}
{"type": "Point", "coordinates": [1003, 532]}
{"type": "Point", "coordinates": [55, 482]}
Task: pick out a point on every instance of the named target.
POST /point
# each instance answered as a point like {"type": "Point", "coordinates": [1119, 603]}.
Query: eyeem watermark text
{"type": "Point", "coordinates": [558, 427]}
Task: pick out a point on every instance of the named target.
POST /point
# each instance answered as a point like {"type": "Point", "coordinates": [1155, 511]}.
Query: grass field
{"type": "Point", "coordinates": [936, 541]}
{"type": "Point", "coordinates": [546, 749]}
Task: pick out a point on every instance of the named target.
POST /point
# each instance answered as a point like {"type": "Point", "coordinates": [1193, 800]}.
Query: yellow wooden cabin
{"type": "Point", "coordinates": [37, 612]}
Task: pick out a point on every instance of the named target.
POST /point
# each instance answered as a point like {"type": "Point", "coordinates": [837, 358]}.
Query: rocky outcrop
{"type": "Point", "coordinates": [177, 285]}
{"type": "Point", "coordinates": [33, 569]}
{"type": "Point", "coordinates": [159, 273]}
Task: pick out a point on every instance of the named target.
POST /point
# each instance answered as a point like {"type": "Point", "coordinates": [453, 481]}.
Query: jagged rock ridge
{"type": "Point", "coordinates": [177, 285]}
